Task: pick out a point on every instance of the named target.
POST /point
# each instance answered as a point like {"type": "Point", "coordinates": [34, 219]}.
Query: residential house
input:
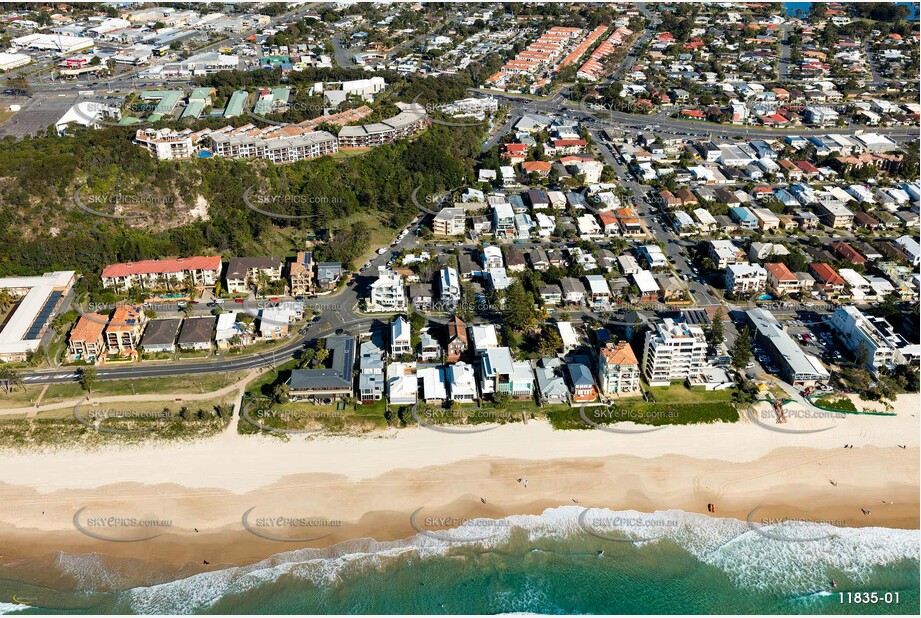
{"type": "Point", "coordinates": [457, 343]}
{"type": "Point", "coordinates": [598, 290]}
{"type": "Point", "coordinates": [484, 338]}
{"type": "Point", "coordinates": [329, 274]}
{"type": "Point", "coordinates": [618, 369]}
{"type": "Point", "coordinates": [827, 280]}
{"type": "Point", "coordinates": [371, 381]}
{"type": "Point", "coordinates": [449, 288]}
{"type": "Point", "coordinates": [581, 382]}
{"type": "Point", "coordinates": [400, 337]}
{"type": "Point", "coordinates": [196, 333]}
{"type": "Point", "coordinates": [573, 290]}
{"type": "Point", "coordinates": [551, 295]}
{"type": "Point", "coordinates": [402, 384]}
{"type": "Point", "coordinates": [551, 387]}
{"type": "Point", "coordinates": [160, 336]}
{"type": "Point", "coordinates": [461, 380]}
{"type": "Point", "coordinates": [429, 348]}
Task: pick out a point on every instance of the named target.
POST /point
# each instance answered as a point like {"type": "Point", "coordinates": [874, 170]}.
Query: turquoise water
{"type": "Point", "coordinates": [542, 564]}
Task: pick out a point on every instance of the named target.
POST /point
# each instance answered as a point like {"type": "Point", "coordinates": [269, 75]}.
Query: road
{"type": "Point", "coordinates": [675, 248]}
{"type": "Point", "coordinates": [783, 66]}
{"type": "Point", "coordinates": [630, 59]}
{"type": "Point", "coordinates": [661, 123]}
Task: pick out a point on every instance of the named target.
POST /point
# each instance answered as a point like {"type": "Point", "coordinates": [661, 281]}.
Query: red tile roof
{"type": "Point", "coordinates": [212, 262]}
{"type": "Point", "coordinates": [780, 271]}
{"type": "Point", "coordinates": [827, 274]}
{"type": "Point", "coordinates": [848, 252]}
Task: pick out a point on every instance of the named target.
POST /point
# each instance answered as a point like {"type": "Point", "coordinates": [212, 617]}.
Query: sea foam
{"type": "Point", "coordinates": [749, 558]}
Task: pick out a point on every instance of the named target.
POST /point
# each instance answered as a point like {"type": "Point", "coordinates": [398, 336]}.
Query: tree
{"type": "Point", "coordinates": [715, 335]}
{"type": "Point", "coordinates": [321, 355]}
{"type": "Point", "coordinates": [19, 86]}
{"type": "Point", "coordinates": [501, 399]}
{"type": "Point", "coordinates": [519, 313]}
{"type": "Point", "coordinates": [280, 393]}
{"type": "Point", "coordinates": [550, 342]}
{"type": "Point", "coordinates": [10, 378]}
{"type": "Point", "coordinates": [88, 378]}
{"type": "Point", "coordinates": [742, 349]}
{"type": "Point", "coordinates": [306, 358]}
{"type": "Point", "coordinates": [36, 356]}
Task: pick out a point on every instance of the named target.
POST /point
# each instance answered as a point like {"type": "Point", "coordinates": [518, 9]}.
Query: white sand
{"type": "Point", "coordinates": [243, 463]}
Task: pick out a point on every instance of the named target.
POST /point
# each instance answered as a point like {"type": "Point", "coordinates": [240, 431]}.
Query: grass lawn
{"type": "Point", "coordinates": [679, 393]}
{"type": "Point", "coordinates": [5, 114]}
{"type": "Point", "coordinates": [175, 384]}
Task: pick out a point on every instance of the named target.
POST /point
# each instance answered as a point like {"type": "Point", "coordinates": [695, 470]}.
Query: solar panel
{"type": "Point", "coordinates": [42, 318]}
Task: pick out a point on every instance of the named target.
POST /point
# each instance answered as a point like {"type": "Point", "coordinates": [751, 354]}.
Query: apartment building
{"type": "Point", "coordinates": [37, 299]}
{"type": "Point", "coordinates": [504, 221]}
{"type": "Point", "coordinates": [387, 292]}
{"type": "Point", "coordinates": [411, 120]}
{"type": "Point", "coordinates": [618, 369]}
{"type": "Point", "coordinates": [166, 144]}
{"type": "Point", "coordinates": [246, 273]}
{"type": "Point", "coordinates": [673, 351]}
{"type": "Point", "coordinates": [326, 384]}
{"type": "Point", "coordinates": [724, 252]}
{"type": "Point", "coordinates": [242, 145]}
{"type": "Point", "coordinates": [449, 222]}
{"type": "Point", "coordinates": [123, 332]}
{"type": "Point", "coordinates": [835, 215]}
{"type": "Point", "coordinates": [780, 279]}
{"type": "Point", "coordinates": [300, 274]}
{"type": "Point", "coordinates": [745, 279]}
{"type": "Point", "coordinates": [199, 271]}
{"type": "Point", "coordinates": [874, 338]}
{"type": "Point", "coordinates": [86, 341]}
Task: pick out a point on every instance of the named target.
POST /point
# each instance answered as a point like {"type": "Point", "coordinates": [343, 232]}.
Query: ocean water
{"type": "Point", "coordinates": [791, 7]}
{"type": "Point", "coordinates": [547, 564]}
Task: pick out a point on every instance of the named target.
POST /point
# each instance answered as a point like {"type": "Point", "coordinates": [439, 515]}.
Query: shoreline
{"type": "Point", "coordinates": [372, 486]}
{"type": "Point", "coordinates": [789, 483]}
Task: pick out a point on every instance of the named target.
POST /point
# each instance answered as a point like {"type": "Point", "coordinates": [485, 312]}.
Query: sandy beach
{"type": "Point", "coordinates": [368, 487]}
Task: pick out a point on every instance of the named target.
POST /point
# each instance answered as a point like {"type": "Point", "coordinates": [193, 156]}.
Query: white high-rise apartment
{"type": "Point", "coordinates": [674, 351]}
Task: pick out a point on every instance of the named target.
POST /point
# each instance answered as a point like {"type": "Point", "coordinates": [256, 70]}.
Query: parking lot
{"type": "Point", "coordinates": [816, 336]}
{"type": "Point", "coordinates": [36, 115]}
